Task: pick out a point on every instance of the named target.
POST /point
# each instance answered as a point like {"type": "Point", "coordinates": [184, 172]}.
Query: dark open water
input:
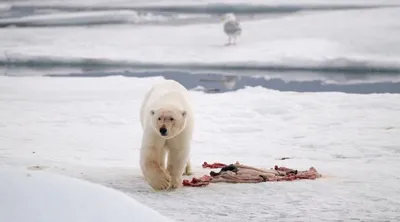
{"type": "Point", "coordinates": [212, 82]}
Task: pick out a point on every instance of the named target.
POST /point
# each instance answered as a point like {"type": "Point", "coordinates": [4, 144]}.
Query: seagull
{"type": "Point", "coordinates": [232, 28]}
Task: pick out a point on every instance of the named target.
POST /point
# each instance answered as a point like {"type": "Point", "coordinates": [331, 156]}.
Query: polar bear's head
{"type": "Point", "coordinates": [168, 123]}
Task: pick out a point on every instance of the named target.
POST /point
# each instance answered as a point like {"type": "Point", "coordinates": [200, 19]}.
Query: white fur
{"type": "Point", "coordinates": [169, 95]}
{"type": "Point", "coordinates": [229, 17]}
{"type": "Point", "coordinates": [231, 27]}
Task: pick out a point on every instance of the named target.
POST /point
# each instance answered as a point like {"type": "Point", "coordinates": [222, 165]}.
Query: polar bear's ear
{"type": "Point", "coordinates": [184, 113]}
{"type": "Point", "coordinates": [152, 112]}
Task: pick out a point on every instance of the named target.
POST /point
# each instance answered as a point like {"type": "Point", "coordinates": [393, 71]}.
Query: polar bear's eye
{"type": "Point", "coordinates": [159, 118]}
{"type": "Point", "coordinates": [172, 119]}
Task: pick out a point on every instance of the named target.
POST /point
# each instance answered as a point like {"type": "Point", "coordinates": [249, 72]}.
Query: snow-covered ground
{"type": "Point", "coordinates": [88, 128]}
{"type": "Point", "coordinates": [82, 18]}
{"type": "Point", "coordinates": [111, 3]}
{"type": "Point", "coordinates": [29, 196]}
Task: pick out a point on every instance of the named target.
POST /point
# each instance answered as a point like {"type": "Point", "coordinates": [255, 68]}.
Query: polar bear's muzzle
{"type": "Point", "coordinates": [163, 131]}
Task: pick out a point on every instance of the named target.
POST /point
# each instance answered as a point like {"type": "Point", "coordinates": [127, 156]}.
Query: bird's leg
{"type": "Point", "coordinates": [229, 40]}
{"type": "Point", "coordinates": [234, 40]}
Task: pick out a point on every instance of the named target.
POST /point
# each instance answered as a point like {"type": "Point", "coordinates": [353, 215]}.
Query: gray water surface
{"type": "Point", "coordinates": [220, 83]}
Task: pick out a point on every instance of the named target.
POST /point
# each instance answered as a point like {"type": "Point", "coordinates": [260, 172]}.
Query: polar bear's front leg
{"type": "Point", "coordinates": [176, 164]}
{"type": "Point", "coordinates": [161, 158]}
{"type": "Point", "coordinates": [153, 169]}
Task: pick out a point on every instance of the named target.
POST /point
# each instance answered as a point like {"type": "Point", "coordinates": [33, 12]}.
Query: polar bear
{"type": "Point", "coordinates": [167, 121]}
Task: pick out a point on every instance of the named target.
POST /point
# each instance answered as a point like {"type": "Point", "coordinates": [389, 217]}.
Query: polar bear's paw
{"type": "Point", "coordinates": [176, 182]}
{"type": "Point", "coordinates": [160, 181]}
{"type": "Point", "coordinates": [188, 170]}
{"type": "Point", "coordinates": [187, 173]}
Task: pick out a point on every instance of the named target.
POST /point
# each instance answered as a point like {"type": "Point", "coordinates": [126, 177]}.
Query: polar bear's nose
{"type": "Point", "coordinates": [163, 131]}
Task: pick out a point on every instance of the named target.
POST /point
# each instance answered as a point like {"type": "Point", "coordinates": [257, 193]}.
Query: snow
{"type": "Point", "coordinates": [88, 128]}
{"type": "Point", "coordinates": [29, 196]}
{"type": "Point", "coordinates": [83, 18]}
{"type": "Point", "coordinates": [368, 39]}
{"type": "Point", "coordinates": [4, 7]}
{"type": "Point", "coordinates": [94, 3]}
{"type": "Point", "coordinates": [97, 17]}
